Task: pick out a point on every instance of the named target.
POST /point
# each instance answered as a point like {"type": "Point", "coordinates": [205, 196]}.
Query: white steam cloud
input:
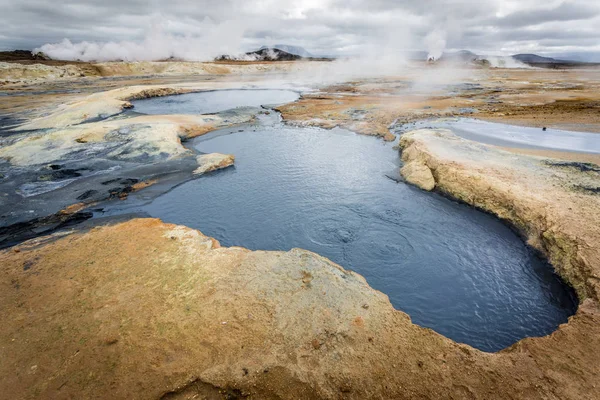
{"type": "Point", "coordinates": [505, 62]}
{"type": "Point", "coordinates": [436, 43]}
{"type": "Point", "coordinates": [384, 54]}
{"type": "Point", "coordinates": [214, 40]}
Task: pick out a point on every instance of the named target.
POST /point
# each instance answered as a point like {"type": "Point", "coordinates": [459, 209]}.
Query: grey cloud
{"type": "Point", "coordinates": [566, 11]}
{"type": "Point", "coordinates": [324, 26]}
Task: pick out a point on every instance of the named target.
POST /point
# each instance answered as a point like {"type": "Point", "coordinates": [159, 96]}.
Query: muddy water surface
{"type": "Point", "coordinates": [213, 101]}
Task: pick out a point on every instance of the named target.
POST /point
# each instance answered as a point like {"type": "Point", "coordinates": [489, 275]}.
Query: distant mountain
{"type": "Point", "coordinates": [279, 52]}
{"type": "Point", "coordinates": [295, 50]}
{"type": "Point", "coordinates": [549, 62]}
{"type": "Point", "coordinates": [584, 56]}
{"type": "Point", "coordinates": [273, 54]}
{"type": "Point", "coordinates": [515, 61]}
{"type": "Point", "coordinates": [535, 59]}
{"type": "Point", "coordinates": [262, 54]}
{"type": "Point", "coordinates": [22, 55]}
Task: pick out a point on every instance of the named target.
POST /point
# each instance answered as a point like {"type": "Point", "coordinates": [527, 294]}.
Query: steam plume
{"type": "Point", "coordinates": [158, 44]}
{"type": "Point", "coordinates": [436, 43]}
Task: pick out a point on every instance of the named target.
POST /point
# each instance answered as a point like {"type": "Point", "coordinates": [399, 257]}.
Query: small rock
{"type": "Point", "coordinates": [213, 162]}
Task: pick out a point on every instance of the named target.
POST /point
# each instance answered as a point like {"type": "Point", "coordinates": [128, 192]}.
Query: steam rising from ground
{"type": "Point", "coordinates": [158, 44]}
{"type": "Point", "coordinates": [383, 56]}
{"type": "Point", "coordinates": [206, 40]}
{"type": "Point", "coordinates": [505, 62]}
{"type": "Point", "coordinates": [436, 44]}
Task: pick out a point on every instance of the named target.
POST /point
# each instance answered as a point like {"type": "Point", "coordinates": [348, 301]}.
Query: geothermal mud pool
{"type": "Point", "coordinates": [450, 267]}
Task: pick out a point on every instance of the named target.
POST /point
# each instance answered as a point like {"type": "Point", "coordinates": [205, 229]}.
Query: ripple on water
{"type": "Point", "coordinates": [335, 226]}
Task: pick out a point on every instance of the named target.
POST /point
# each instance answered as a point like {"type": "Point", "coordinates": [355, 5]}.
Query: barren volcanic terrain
{"type": "Point", "coordinates": [128, 307]}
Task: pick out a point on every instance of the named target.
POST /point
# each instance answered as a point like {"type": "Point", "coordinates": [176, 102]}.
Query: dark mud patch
{"type": "Point", "coordinates": [33, 198]}
{"type": "Point", "coordinates": [87, 194]}
{"type": "Point", "coordinates": [57, 173]}
{"type": "Point", "coordinates": [8, 123]}
{"type": "Point", "coordinates": [122, 181]}
{"type": "Point", "coordinates": [594, 190]}
{"type": "Point", "coordinates": [19, 232]}
{"type": "Point", "coordinates": [579, 166]}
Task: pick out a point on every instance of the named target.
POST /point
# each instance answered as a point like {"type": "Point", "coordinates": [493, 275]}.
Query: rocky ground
{"type": "Point", "coordinates": [33, 72]}
{"type": "Point", "coordinates": [545, 98]}
{"type": "Point", "coordinates": [172, 315]}
{"type": "Point", "coordinates": [143, 309]}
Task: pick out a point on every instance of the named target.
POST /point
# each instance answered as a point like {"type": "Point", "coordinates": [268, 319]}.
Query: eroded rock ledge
{"type": "Point", "coordinates": [144, 309]}
{"type": "Point", "coordinates": [553, 204]}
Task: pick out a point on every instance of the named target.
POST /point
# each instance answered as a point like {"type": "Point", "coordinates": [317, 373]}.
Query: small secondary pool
{"type": "Point", "coordinates": [454, 269]}
{"type": "Point", "coordinates": [517, 136]}
{"type": "Point", "coordinates": [214, 101]}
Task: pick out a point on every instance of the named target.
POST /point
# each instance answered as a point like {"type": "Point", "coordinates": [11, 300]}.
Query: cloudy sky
{"type": "Point", "coordinates": [331, 27]}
